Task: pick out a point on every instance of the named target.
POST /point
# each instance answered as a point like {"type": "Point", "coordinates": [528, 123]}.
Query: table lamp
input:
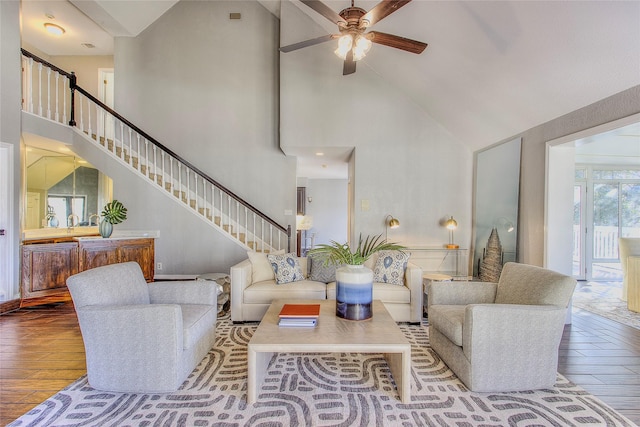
{"type": "Point", "coordinates": [451, 225]}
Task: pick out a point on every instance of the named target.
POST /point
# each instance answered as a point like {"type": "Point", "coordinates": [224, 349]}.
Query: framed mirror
{"type": "Point", "coordinates": [496, 198]}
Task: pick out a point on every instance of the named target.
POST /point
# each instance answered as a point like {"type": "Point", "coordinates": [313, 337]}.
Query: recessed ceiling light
{"type": "Point", "coordinates": [319, 153]}
{"type": "Point", "coordinates": [54, 29]}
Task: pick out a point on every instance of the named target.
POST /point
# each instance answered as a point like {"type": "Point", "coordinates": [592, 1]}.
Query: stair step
{"type": "Point", "coordinates": [201, 211]}
{"type": "Point", "coordinates": [158, 178]}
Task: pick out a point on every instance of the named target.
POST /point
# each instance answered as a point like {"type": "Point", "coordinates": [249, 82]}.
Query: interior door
{"type": "Point", "coordinates": [7, 256]}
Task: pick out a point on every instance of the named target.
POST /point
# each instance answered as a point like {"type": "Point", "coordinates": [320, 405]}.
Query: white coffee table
{"type": "Point", "coordinates": [380, 334]}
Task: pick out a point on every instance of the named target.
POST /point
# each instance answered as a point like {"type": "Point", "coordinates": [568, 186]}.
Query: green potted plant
{"type": "Point", "coordinates": [341, 254]}
{"type": "Point", "coordinates": [354, 281]}
{"type": "Point", "coordinates": [114, 212]}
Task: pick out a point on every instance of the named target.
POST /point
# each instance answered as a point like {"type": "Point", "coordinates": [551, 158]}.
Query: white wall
{"type": "Point", "coordinates": [10, 100]}
{"type": "Point", "coordinates": [206, 87]}
{"type": "Point", "coordinates": [328, 208]}
{"type": "Point", "coordinates": [404, 163]}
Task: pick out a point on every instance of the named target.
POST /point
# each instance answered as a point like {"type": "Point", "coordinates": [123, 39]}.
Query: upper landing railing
{"type": "Point", "coordinates": [51, 92]}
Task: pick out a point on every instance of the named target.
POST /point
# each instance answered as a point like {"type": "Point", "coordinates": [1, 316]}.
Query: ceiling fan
{"type": "Point", "coordinates": [353, 40]}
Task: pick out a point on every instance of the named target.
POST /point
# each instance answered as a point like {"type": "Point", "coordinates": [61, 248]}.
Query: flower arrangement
{"type": "Point", "coordinates": [340, 253]}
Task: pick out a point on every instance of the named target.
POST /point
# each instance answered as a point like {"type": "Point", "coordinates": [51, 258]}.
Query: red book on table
{"type": "Point", "coordinates": [300, 310]}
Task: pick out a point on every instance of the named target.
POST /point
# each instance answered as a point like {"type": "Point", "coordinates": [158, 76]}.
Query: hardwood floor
{"type": "Point", "coordinates": [603, 357]}
{"type": "Point", "coordinates": [42, 352]}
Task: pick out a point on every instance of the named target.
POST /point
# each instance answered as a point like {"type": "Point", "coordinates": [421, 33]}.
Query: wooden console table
{"type": "Point", "coordinates": [46, 264]}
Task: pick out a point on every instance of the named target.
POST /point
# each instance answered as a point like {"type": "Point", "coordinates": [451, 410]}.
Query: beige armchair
{"type": "Point", "coordinates": [504, 336]}
{"type": "Point", "coordinates": [141, 337]}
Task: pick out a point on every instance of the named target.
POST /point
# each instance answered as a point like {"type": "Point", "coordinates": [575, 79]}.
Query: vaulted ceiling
{"type": "Point", "coordinates": [492, 68]}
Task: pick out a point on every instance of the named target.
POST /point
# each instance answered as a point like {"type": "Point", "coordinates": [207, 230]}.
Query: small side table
{"type": "Point", "coordinates": [224, 283]}
{"type": "Point", "coordinates": [428, 278]}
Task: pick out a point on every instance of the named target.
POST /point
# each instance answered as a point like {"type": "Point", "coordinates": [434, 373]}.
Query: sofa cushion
{"type": "Point", "coordinates": [390, 267]}
{"type": "Point", "coordinates": [449, 320]}
{"type": "Point", "coordinates": [197, 321]}
{"type": "Point", "coordinates": [266, 291]}
{"type": "Point", "coordinates": [286, 268]}
{"type": "Point", "coordinates": [260, 266]}
{"type": "Point", "coordinates": [321, 272]}
{"type": "Point", "coordinates": [384, 292]}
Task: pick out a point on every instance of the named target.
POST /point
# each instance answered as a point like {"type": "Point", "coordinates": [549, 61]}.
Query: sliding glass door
{"type": "Point", "coordinates": [609, 208]}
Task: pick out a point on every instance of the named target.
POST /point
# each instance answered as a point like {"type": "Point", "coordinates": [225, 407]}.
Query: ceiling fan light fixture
{"type": "Point", "coordinates": [345, 43]}
{"type": "Point", "coordinates": [361, 48]}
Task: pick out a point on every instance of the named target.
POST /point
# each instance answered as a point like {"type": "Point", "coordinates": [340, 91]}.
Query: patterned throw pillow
{"type": "Point", "coordinates": [286, 268]}
{"type": "Point", "coordinates": [321, 272]}
{"type": "Point", "coordinates": [390, 267]}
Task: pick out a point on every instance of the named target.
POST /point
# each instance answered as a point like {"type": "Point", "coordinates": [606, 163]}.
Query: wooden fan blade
{"type": "Point", "coordinates": [398, 42]}
{"type": "Point", "coordinates": [381, 11]}
{"type": "Point", "coordinates": [325, 11]}
{"type": "Point", "coordinates": [349, 64]}
{"type": "Point", "coordinates": [308, 43]}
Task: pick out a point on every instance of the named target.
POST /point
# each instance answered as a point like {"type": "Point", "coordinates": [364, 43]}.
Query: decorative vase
{"type": "Point", "coordinates": [105, 228]}
{"type": "Point", "coordinates": [354, 292]}
{"type": "Point", "coordinates": [53, 222]}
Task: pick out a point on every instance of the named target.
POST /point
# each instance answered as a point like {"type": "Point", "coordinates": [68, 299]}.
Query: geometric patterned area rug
{"type": "Point", "coordinates": [341, 389]}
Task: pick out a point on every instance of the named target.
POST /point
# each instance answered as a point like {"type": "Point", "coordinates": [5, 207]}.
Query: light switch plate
{"type": "Point", "coordinates": [364, 204]}
{"type": "Point", "coordinates": [288, 212]}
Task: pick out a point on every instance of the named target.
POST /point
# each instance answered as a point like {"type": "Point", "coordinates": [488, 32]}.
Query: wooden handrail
{"type": "Point", "coordinates": [73, 86]}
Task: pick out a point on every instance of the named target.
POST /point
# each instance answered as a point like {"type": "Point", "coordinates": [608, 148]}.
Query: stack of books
{"type": "Point", "coordinates": [299, 315]}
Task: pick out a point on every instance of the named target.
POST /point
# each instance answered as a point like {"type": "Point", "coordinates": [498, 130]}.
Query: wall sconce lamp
{"type": "Point", "coordinates": [391, 223]}
{"type": "Point", "coordinates": [451, 224]}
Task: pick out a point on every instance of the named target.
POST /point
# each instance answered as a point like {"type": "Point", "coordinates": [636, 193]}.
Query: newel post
{"type": "Point", "coordinates": [72, 86]}
{"type": "Point", "coordinates": [289, 238]}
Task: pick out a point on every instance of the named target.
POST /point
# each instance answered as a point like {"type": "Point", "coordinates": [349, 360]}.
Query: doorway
{"type": "Point", "coordinates": [599, 169]}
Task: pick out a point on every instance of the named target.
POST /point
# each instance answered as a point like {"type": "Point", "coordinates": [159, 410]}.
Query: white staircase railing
{"type": "Point", "coordinates": [50, 92]}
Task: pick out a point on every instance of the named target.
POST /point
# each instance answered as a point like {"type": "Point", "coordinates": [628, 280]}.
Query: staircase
{"type": "Point", "coordinates": [50, 92]}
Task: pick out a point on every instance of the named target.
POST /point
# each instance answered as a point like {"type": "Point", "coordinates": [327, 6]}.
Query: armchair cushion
{"type": "Point", "coordinates": [390, 267]}
{"type": "Point", "coordinates": [532, 285]}
{"type": "Point", "coordinates": [449, 320]}
{"type": "Point", "coordinates": [196, 322]}
{"type": "Point", "coordinates": [286, 268]}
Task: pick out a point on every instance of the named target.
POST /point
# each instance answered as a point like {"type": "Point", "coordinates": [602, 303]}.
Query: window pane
{"type": "Point", "coordinates": [630, 205]}
{"type": "Point", "coordinates": [605, 221]}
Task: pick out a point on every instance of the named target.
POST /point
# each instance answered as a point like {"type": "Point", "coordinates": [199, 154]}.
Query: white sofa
{"type": "Point", "coordinates": [250, 300]}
